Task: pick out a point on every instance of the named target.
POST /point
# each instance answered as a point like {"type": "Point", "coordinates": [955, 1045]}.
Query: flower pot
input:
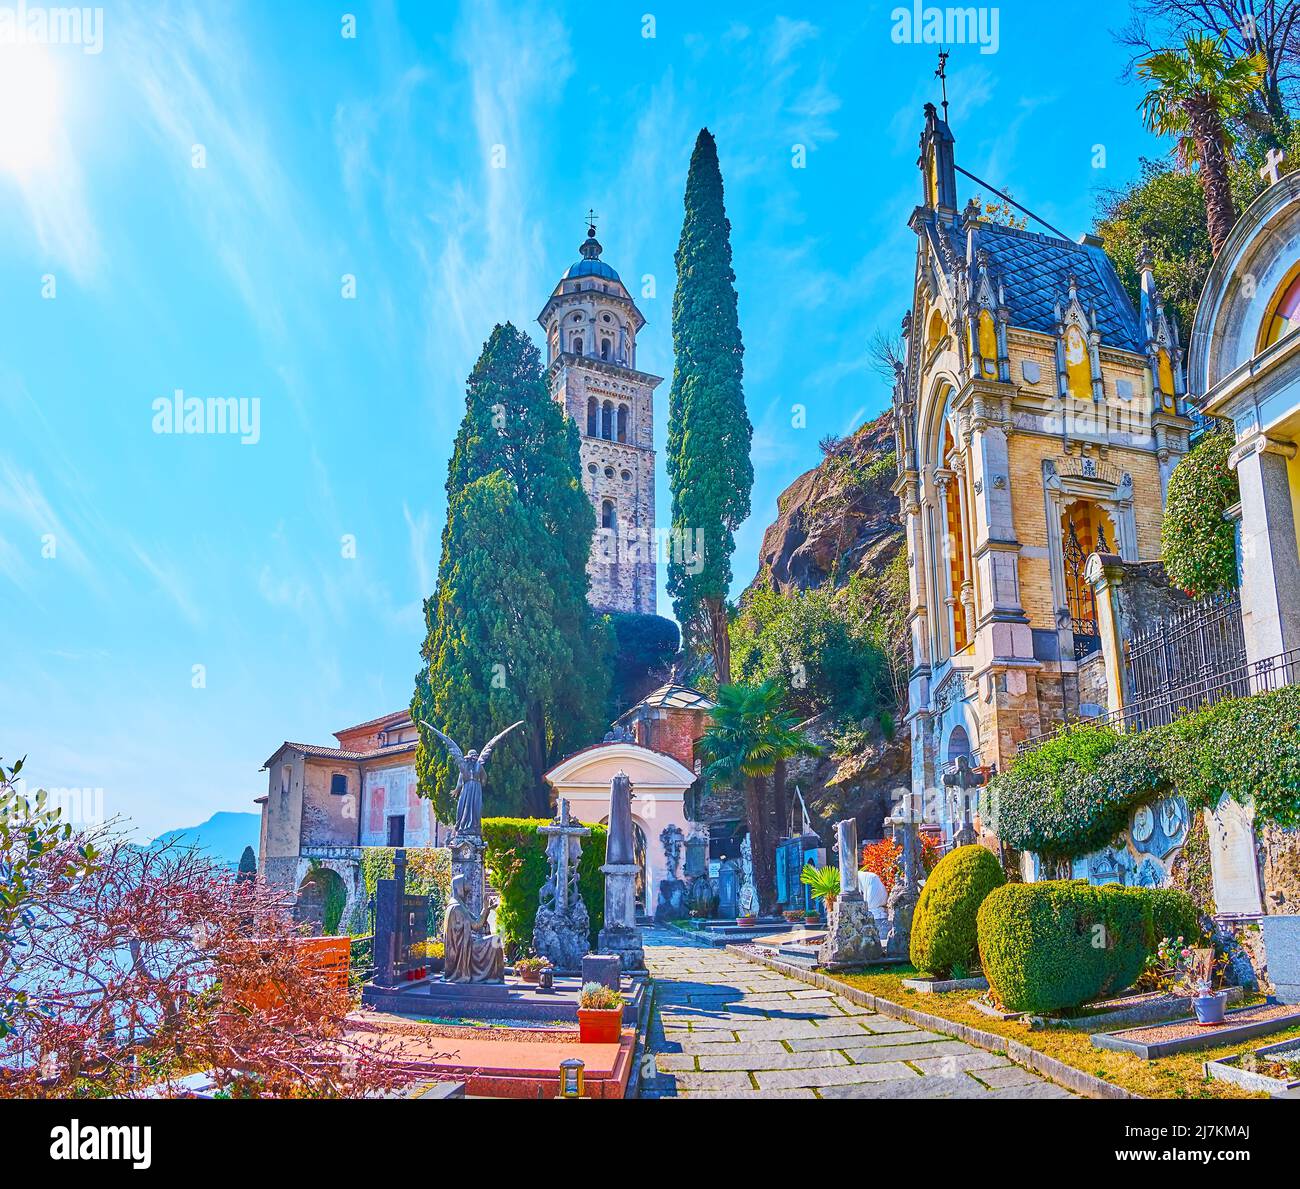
{"type": "Point", "coordinates": [530, 976]}
{"type": "Point", "coordinates": [1209, 1008]}
{"type": "Point", "coordinates": [600, 1025]}
{"type": "Point", "coordinates": [812, 918]}
{"type": "Point", "coordinates": [747, 920]}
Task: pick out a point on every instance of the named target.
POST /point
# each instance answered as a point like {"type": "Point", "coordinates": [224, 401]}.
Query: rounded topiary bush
{"type": "Point", "coordinates": [1059, 943]}
{"type": "Point", "coordinates": [943, 926]}
{"type": "Point", "coordinates": [1173, 913]}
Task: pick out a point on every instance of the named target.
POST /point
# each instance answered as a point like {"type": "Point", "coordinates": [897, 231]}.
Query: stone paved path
{"type": "Point", "coordinates": [725, 1027]}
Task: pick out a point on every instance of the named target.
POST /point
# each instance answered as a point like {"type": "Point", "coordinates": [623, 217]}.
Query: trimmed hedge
{"type": "Point", "coordinates": [517, 866]}
{"type": "Point", "coordinates": [1060, 943]}
{"type": "Point", "coordinates": [1073, 794]}
{"type": "Point", "coordinates": [1173, 913]}
{"type": "Point", "coordinates": [943, 926]}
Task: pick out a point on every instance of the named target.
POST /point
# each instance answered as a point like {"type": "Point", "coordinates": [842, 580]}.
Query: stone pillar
{"type": "Point", "coordinates": [1270, 587]}
{"type": "Point", "coordinates": [621, 934]}
{"type": "Point", "coordinates": [851, 937]}
{"type": "Point", "coordinates": [467, 860]}
{"type": "Point", "coordinates": [1105, 572]}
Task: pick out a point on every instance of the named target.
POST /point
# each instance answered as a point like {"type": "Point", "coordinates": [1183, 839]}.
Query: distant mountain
{"type": "Point", "coordinates": [223, 835]}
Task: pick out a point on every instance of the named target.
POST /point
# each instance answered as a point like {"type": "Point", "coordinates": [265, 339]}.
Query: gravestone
{"type": "Point", "coordinates": [621, 935]}
{"type": "Point", "coordinates": [1233, 860]}
{"type": "Point", "coordinates": [747, 898]}
{"type": "Point", "coordinates": [604, 969]}
{"type": "Point", "coordinates": [851, 937]}
{"type": "Point", "coordinates": [728, 888]}
{"type": "Point", "coordinates": [1282, 956]}
{"type": "Point", "coordinates": [672, 891]}
{"type": "Point", "coordinates": [906, 890]}
{"type": "Point", "coordinates": [561, 929]}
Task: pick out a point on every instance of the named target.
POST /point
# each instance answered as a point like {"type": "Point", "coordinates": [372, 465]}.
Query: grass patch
{"type": "Point", "coordinates": [1178, 1076]}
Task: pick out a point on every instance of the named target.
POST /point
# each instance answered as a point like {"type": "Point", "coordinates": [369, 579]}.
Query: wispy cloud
{"type": "Point", "coordinates": [171, 583]}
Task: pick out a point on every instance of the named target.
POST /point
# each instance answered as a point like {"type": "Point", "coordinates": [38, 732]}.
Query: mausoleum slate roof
{"type": "Point", "coordinates": [1035, 272]}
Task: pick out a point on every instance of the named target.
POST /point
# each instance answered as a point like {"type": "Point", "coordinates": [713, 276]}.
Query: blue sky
{"type": "Point", "coordinates": [127, 273]}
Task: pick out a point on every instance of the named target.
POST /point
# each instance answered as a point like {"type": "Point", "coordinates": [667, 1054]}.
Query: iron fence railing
{"type": "Point", "coordinates": [1252, 677]}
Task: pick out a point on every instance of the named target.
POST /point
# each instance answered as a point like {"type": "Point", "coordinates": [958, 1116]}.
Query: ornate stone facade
{"type": "Point", "coordinates": [1038, 417]}
{"type": "Point", "coordinates": [591, 325]}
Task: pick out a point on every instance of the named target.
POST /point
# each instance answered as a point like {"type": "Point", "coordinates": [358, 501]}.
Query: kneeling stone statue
{"type": "Point", "coordinates": [469, 957]}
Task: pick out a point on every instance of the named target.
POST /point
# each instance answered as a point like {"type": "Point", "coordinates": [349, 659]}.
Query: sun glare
{"type": "Point", "coordinates": [29, 103]}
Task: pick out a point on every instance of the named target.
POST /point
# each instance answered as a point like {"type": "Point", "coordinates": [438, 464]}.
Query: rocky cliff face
{"type": "Point", "coordinates": [839, 512]}
{"type": "Point", "coordinates": [834, 522]}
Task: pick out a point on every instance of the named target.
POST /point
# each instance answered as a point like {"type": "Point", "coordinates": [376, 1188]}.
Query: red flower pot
{"type": "Point", "coordinates": [600, 1025]}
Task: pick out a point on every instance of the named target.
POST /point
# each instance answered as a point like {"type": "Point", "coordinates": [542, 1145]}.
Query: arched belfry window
{"type": "Point", "coordinates": [577, 344]}
{"type": "Point", "coordinates": [622, 422]}
{"type": "Point", "coordinates": [607, 514]}
{"type": "Point", "coordinates": [607, 421]}
{"type": "Point", "coordinates": [604, 348]}
{"type": "Point", "coordinates": [593, 417]}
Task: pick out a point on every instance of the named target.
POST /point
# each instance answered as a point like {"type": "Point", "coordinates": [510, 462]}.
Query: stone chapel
{"type": "Point", "coordinates": [1038, 418]}
{"type": "Point", "coordinates": [591, 325]}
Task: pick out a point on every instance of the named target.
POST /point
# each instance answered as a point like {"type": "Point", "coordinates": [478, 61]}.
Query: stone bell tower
{"type": "Point", "coordinates": [591, 325]}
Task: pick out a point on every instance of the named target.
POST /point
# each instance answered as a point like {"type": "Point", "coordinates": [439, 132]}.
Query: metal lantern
{"type": "Point", "coordinates": [571, 1078]}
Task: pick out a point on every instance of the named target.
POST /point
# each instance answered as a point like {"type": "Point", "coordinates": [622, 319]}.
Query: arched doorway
{"type": "Point", "coordinates": [322, 898]}
{"type": "Point", "coordinates": [1086, 528]}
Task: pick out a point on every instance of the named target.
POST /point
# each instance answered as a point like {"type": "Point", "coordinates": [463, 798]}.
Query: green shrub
{"type": "Point", "coordinates": [1060, 943]}
{"type": "Point", "coordinates": [517, 866]}
{"type": "Point", "coordinates": [1173, 913]}
{"type": "Point", "coordinates": [1200, 550]}
{"type": "Point", "coordinates": [1073, 795]}
{"type": "Point", "coordinates": [943, 926]}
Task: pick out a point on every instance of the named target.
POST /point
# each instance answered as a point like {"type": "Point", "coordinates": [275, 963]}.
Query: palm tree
{"type": "Point", "coordinates": [1200, 89]}
{"type": "Point", "coordinates": [750, 734]}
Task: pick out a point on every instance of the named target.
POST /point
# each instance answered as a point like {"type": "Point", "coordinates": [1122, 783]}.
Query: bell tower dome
{"type": "Point", "coordinates": [591, 325]}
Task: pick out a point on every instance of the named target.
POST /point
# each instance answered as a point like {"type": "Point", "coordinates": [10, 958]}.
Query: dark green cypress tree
{"type": "Point", "coordinates": [510, 634]}
{"type": "Point", "coordinates": [247, 865]}
{"type": "Point", "coordinates": [709, 433]}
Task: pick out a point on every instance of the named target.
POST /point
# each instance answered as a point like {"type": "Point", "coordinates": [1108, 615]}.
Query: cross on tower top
{"type": "Point", "coordinates": [942, 75]}
{"type": "Point", "coordinates": [591, 221]}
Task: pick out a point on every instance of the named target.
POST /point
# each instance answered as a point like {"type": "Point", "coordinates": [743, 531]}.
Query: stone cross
{"type": "Point", "coordinates": [1269, 172]}
{"type": "Point", "coordinates": [563, 830]}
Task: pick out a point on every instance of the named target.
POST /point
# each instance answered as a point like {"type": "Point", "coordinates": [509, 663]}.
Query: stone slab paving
{"type": "Point", "coordinates": [724, 1027]}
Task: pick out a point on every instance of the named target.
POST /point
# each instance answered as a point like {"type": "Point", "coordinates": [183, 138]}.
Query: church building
{"type": "Point", "coordinates": [1038, 419]}
{"type": "Point", "coordinates": [591, 325]}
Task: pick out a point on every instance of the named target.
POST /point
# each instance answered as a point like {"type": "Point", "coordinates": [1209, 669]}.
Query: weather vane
{"type": "Point", "coordinates": [942, 75]}
{"type": "Point", "coordinates": [591, 221]}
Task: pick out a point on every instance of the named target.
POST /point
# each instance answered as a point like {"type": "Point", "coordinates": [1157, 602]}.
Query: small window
{"type": "Point", "coordinates": [338, 785]}
{"type": "Point", "coordinates": [606, 317]}
{"type": "Point", "coordinates": [626, 476]}
{"type": "Point", "coordinates": [604, 348]}
{"type": "Point", "coordinates": [591, 466]}
{"type": "Point", "coordinates": [609, 472]}
{"type": "Point", "coordinates": [286, 780]}
{"type": "Point", "coordinates": [607, 514]}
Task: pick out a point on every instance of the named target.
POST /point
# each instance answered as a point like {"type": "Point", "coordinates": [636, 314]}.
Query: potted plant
{"type": "Point", "coordinates": [600, 1014]}
{"type": "Point", "coordinates": [793, 915]}
{"type": "Point", "coordinates": [530, 969]}
{"type": "Point", "coordinates": [824, 882]}
{"type": "Point", "coordinates": [1208, 1003]}
{"type": "Point", "coordinates": [812, 918]}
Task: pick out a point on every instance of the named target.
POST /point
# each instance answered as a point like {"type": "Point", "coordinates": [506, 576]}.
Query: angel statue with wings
{"type": "Point", "coordinates": [469, 784]}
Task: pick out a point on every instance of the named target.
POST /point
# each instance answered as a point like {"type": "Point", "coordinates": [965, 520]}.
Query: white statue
{"type": "Point", "coordinates": [747, 901]}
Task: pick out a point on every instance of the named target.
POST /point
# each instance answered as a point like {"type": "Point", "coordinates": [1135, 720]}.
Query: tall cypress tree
{"type": "Point", "coordinates": [510, 634]}
{"type": "Point", "coordinates": [709, 433]}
